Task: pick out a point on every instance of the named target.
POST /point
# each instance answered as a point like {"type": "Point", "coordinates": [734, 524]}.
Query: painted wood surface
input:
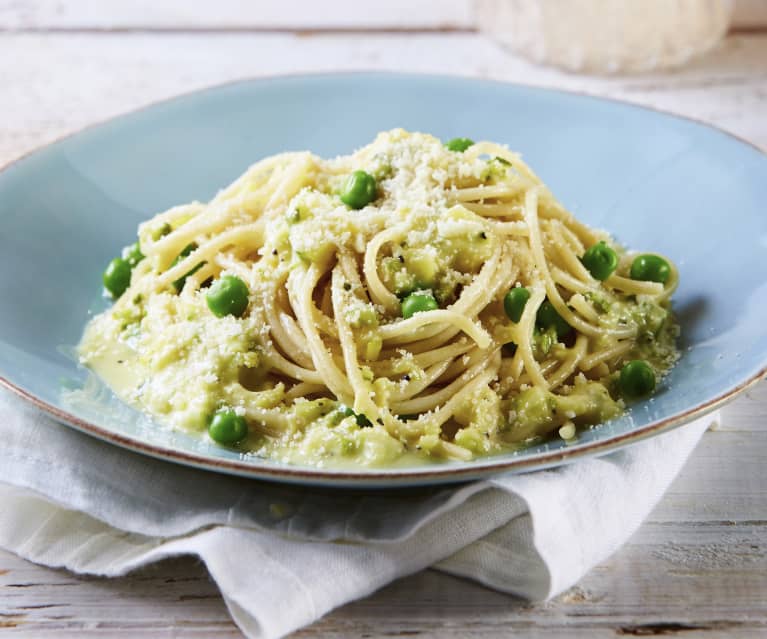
{"type": "Point", "coordinates": [56, 83]}
{"type": "Point", "coordinates": [697, 567]}
{"type": "Point", "coordinates": [286, 14]}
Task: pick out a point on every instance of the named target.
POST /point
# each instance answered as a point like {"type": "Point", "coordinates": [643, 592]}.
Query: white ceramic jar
{"type": "Point", "coordinates": [606, 36]}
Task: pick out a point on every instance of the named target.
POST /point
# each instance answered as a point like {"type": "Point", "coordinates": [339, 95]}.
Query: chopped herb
{"type": "Point", "coordinates": [188, 250]}
{"type": "Point", "coordinates": [164, 230]}
{"type": "Point", "coordinates": [294, 216]}
{"type": "Point", "coordinates": [346, 411]}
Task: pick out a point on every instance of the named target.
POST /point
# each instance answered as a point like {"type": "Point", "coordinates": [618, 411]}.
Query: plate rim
{"type": "Point", "coordinates": [382, 477]}
{"type": "Point", "coordinates": [372, 72]}
{"type": "Point", "coordinates": [375, 477]}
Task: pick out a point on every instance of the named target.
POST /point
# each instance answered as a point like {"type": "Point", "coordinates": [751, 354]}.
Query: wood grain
{"type": "Point", "coordinates": [696, 568]}
{"type": "Point", "coordinates": [288, 14]}
{"type": "Point", "coordinates": [185, 15]}
{"type": "Point", "coordinates": [57, 83]}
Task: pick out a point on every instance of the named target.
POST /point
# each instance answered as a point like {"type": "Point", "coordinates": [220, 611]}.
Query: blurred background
{"type": "Point", "coordinates": [67, 63]}
{"type": "Point", "coordinates": [321, 14]}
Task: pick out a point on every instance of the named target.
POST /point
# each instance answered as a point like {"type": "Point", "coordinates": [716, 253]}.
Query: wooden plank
{"type": "Point", "coordinates": [54, 84]}
{"type": "Point", "coordinates": [748, 412]}
{"type": "Point", "coordinates": [288, 14]}
{"type": "Point", "coordinates": [666, 578]}
{"type": "Point", "coordinates": [235, 14]}
{"type": "Point", "coordinates": [697, 566]}
{"type": "Point", "coordinates": [170, 599]}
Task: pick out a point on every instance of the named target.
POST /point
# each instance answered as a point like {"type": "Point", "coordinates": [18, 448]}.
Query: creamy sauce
{"type": "Point", "coordinates": [317, 368]}
{"type": "Point", "coordinates": [116, 364]}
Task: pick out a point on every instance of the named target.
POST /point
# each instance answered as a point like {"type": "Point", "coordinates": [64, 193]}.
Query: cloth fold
{"type": "Point", "coordinates": [283, 556]}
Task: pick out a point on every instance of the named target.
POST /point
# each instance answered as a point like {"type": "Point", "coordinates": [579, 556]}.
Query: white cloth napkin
{"type": "Point", "coordinates": [68, 500]}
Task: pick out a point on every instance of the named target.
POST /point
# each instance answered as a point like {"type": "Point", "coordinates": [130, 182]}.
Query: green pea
{"type": "Point", "coordinates": [227, 427]}
{"type": "Point", "coordinates": [650, 268]}
{"type": "Point", "coordinates": [132, 254]}
{"type": "Point", "coordinates": [600, 260]}
{"type": "Point", "coordinates": [459, 145]}
{"type": "Point", "coordinates": [418, 302]}
{"type": "Point", "coordinates": [116, 277]}
{"type": "Point", "coordinates": [359, 190]}
{"type": "Point", "coordinates": [362, 421]}
{"type": "Point", "coordinates": [162, 231]}
{"type": "Point", "coordinates": [547, 317]}
{"type": "Point", "coordinates": [636, 379]}
{"type": "Point", "coordinates": [228, 296]}
{"type": "Point", "coordinates": [186, 252]}
{"type": "Point", "coordinates": [514, 302]}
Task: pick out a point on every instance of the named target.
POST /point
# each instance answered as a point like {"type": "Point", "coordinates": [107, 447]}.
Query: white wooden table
{"type": "Point", "coordinates": [697, 567]}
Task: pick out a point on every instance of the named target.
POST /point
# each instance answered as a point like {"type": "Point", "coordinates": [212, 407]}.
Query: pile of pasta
{"type": "Point", "coordinates": [380, 330]}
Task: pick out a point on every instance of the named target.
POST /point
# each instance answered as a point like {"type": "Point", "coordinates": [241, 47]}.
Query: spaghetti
{"type": "Point", "coordinates": [412, 298]}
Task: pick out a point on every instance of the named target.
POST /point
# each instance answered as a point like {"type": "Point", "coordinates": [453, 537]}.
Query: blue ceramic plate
{"type": "Point", "coordinates": [654, 180]}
